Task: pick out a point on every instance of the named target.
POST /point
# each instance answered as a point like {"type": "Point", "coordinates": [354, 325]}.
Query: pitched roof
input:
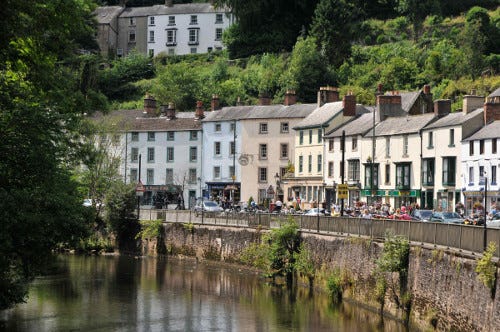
{"type": "Point", "coordinates": [134, 120]}
{"type": "Point", "coordinates": [106, 14]}
{"type": "Point", "coordinates": [495, 93]}
{"type": "Point", "coordinates": [324, 114]}
{"type": "Point", "coordinates": [259, 112]}
{"type": "Point", "coordinates": [358, 126]}
{"type": "Point", "coordinates": [454, 119]}
{"type": "Point", "coordinates": [177, 9]}
{"type": "Point", "coordinates": [491, 130]}
{"type": "Point", "coordinates": [408, 99]}
{"type": "Point", "coordinates": [402, 125]}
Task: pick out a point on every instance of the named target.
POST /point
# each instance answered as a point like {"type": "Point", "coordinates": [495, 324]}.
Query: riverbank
{"type": "Point", "coordinates": [443, 290]}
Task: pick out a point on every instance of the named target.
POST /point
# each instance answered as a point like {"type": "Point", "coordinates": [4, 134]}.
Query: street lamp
{"type": "Point", "coordinates": [485, 213]}
{"type": "Point", "coordinates": [202, 205]}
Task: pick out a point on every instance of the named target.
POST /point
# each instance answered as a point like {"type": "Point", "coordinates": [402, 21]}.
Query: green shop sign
{"type": "Point", "coordinates": [391, 193]}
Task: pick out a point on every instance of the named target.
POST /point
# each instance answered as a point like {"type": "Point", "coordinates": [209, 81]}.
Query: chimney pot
{"type": "Point", "coordinates": [215, 103]}
{"type": "Point", "coordinates": [290, 98]}
{"type": "Point", "coordinates": [427, 89]}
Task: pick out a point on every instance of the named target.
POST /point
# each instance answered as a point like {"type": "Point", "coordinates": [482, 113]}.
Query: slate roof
{"type": "Point", "coordinates": [358, 126]}
{"type": "Point", "coordinates": [402, 125]}
{"type": "Point", "coordinates": [491, 130]}
{"type": "Point", "coordinates": [324, 114]}
{"type": "Point", "coordinates": [105, 15]}
{"type": "Point", "coordinates": [408, 99]}
{"type": "Point", "coordinates": [495, 93]}
{"type": "Point", "coordinates": [454, 119]}
{"type": "Point", "coordinates": [259, 112]}
{"type": "Point", "coordinates": [134, 120]}
{"type": "Point", "coordinates": [177, 9]}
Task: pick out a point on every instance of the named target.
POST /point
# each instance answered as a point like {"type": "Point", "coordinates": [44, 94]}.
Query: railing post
{"type": "Point", "coordinates": [435, 231]}
{"type": "Point", "coordinates": [409, 231]}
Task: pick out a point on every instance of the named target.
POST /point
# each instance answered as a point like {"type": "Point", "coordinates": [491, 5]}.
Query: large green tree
{"type": "Point", "coordinates": [41, 100]}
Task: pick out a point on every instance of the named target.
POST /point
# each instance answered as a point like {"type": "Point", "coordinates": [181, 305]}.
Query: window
{"type": "Point", "coordinates": [169, 176]}
{"type": "Point", "coordinates": [232, 148]}
{"type": "Point", "coordinates": [132, 21]}
{"type": "Point", "coordinates": [263, 128]}
{"type": "Point", "coordinates": [170, 154]}
{"type": "Point", "coordinates": [151, 155]}
{"type": "Point", "coordinates": [194, 19]}
{"type": "Point", "coordinates": [283, 151]}
{"type": "Point", "coordinates": [403, 176]}
{"type": "Point", "coordinates": [284, 128]}
{"type": "Point", "coordinates": [131, 36]}
{"type": "Point", "coordinates": [301, 137]}
{"type": "Point", "coordinates": [354, 143]}
{"type": "Point", "coordinates": [330, 169]}
{"type": "Point", "coordinates": [320, 162]}
{"type": "Point", "coordinates": [320, 135]}
{"type": "Point", "coordinates": [171, 37]}
{"type": "Point", "coordinates": [481, 174]}
{"type": "Point", "coordinates": [428, 172]}
{"type": "Point", "coordinates": [217, 172]}
{"type": "Point", "coordinates": [218, 18]}
{"type": "Point", "coordinates": [481, 146]}
{"type": "Point", "coordinates": [218, 127]}
{"type": "Point", "coordinates": [430, 142]}
{"type": "Point", "coordinates": [262, 174]}
{"type": "Point", "coordinates": [387, 147]}
{"type": "Point", "coordinates": [171, 20]}
{"type": "Point", "coordinates": [133, 175]}
{"type": "Point", "coordinates": [471, 148]}
{"type": "Point", "coordinates": [151, 20]}
{"type": "Point", "coordinates": [151, 135]}
{"type": "Point", "coordinates": [170, 135]}
{"type": "Point", "coordinates": [218, 34]}
{"type": "Point", "coordinates": [452, 137]}
{"type": "Point", "coordinates": [150, 176]}
{"type": "Point", "coordinates": [193, 36]}
{"type": "Point", "coordinates": [151, 52]}
{"type": "Point", "coordinates": [151, 36]}
{"type": "Point", "coordinates": [193, 153]}
{"type": "Point", "coordinates": [217, 148]}
{"type": "Point", "coordinates": [192, 175]}
{"type": "Point", "coordinates": [193, 135]}
{"type": "Point", "coordinates": [134, 136]}
{"type": "Point", "coordinates": [405, 146]}
{"type": "Point", "coordinates": [301, 164]}
{"type": "Point", "coordinates": [134, 155]}
{"type": "Point", "coordinates": [310, 136]}
{"type": "Point", "coordinates": [310, 163]}
{"type": "Point", "coordinates": [449, 167]}
{"type": "Point", "coordinates": [368, 176]}
{"type": "Point", "coordinates": [262, 151]}
{"type": "Point", "coordinates": [493, 175]}
{"type": "Point", "coordinates": [494, 145]}
{"type": "Point", "coordinates": [353, 170]}
{"type": "Point", "coordinates": [471, 175]}
{"type": "Point", "coordinates": [330, 144]}
{"type": "Point", "coordinates": [387, 174]}
{"type": "Point", "coordinates": [232, 173]}
{"type": "Point", "coordinates": [193, 50]}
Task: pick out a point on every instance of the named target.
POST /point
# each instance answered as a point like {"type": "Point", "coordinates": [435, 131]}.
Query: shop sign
{"type": "Point", "coordinates": [342, 191]}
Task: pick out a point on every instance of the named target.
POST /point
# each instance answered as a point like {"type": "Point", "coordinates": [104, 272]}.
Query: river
{"type": "Point", "coordinates": [123, 293]}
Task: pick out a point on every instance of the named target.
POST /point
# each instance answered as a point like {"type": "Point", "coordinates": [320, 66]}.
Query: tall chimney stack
{"type": "Point", "coordinates": [327, 94]}
{"type": "Point", "coordinates": [349, 104]}
{"type": "Point", "coordinates": [149, 105]}
{"type": "Point", "coordinates": [389, 105]}
{"type": "Point", "coordinates": [491, 109]}
{"type": "Point", "coordinates": [264, 99]}
{"type": "Point", "coordinates": [290, 98]}
{"type": "Point", "coordinates": [171, 111]}
{"type": "Point", "coordinates": [215, 103]}
{"type": "Point", "coordinates": [442, 107]}
{"type": "Point", "coordinates": [471, 102]}
{"type": "Point", "coordinates": [200, 111]}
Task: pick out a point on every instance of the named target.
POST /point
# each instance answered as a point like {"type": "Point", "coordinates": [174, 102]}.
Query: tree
{"type": "Point", "coordinates": [40, 103]}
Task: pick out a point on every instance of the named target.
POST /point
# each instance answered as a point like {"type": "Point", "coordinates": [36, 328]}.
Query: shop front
{"type": "Point", "coordinates": [396, 198]}
{"type": "Point", "coordinates": [224, 192]}
{"type": "Point", "coordinates": [159, 196]}
{"type": "Point", "coordinates": [474, 200]}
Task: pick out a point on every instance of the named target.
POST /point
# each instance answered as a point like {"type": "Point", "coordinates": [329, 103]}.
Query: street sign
{"type": "Point", "coordinates": [342, 191]}
{"type": "Point", "coordinates": [139, 189]}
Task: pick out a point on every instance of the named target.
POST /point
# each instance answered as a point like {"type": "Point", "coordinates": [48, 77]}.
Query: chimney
{"type": "Point", "coordinates": [379, 90]}
{"type": "Point", "coordinates": [264, 99]}
{"type": "Point", "coordinates": [215, 103]}
{"type": "Point", "coordinates": [170, 113]}
{"type": "Point", "coordinates": [290, 98]}
{"type": "Point", "coordinates": [349, 104]}
{"type": "Point", "coordinates": [327, 94]}
{"type": "Point", "coordinates": [389, 105]}
{"type": "Point", "coordinates": [491, 109]}
{"type": "Point", "coordinates": [200, 111]}
{"type": "Point", "coordinates": [169, 3]}
{"type": "Point", "coordinates": [471, 102]}
{"type": "Point", "coordinates": [149, 105]}
{"type": "Point", "coordinates": [442, 107]}
{"type": "Point", "coordinates": [427, 89]}
{"type": "Point", "coordinates": [429, 107]}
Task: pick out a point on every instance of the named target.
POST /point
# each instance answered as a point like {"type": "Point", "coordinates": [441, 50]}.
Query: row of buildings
{"type": "Point", "coordinates": [173, 29]}
{"type": "Point", "coordinates": [406, 149]}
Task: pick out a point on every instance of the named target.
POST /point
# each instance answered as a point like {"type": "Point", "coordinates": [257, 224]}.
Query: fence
{"type": "Point", "coordinates": [462, 237]}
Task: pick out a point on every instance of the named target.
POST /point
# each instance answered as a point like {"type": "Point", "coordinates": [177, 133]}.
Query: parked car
{"type": "Point", "coordinates": [421, 215]}
{"type": "Point", "coordinates": [447, 217]}
{"type": "Point", "coordinates": [494, 221]}
{"type": "Point", "coordinates": [209, 207]}
{"type": "Point", "coordinates": [315, 212]}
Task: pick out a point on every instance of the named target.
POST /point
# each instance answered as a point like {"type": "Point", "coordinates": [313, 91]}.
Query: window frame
{"type": "Point", "coordinates": [170, 157]}
{"type": "Point", "coordinates": [217, 149]}
{"type": "Point", "coordinates": [193, 154]}
{"type": "Point", "coordinates": [403, 176]}
{"type": "Point", "coordinates": [263, 128]}
{"type": "Point", "coordinates": [428, 171]}
{"type": "Point", "coordinates": [151, 136]}
{"type": "Point", "coordinates": [368, 173]}
{"type": "Point", "coordinates": [262, 174]}
{"type": "Point", "coordinates": [150, 176]}
{"type": "Point", "coordinates": [151, 155]}
{"type": "Point", "coordinates": [449, 173]}
{"type": "Point", "coordinates": [284, 127]}
{"type": "Point", "coordinates": [263, 153]}
{"type": "Point", "coordinates": [284, 151]}
{"type": "Point", "coordinates": [170, 135]}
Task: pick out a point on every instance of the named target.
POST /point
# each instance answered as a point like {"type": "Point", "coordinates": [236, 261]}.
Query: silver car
{"type": "Point", "coordinates": [447, 218]}
{"type": "Point", "coordinates": [208, 207]}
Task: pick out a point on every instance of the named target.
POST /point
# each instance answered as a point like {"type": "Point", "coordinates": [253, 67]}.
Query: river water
{"type": "Point", "coordinates": [123, 293]}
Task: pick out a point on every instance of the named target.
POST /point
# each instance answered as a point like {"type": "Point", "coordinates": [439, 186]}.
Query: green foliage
{"type": "Point", "coordinates": [150, 229]}
{"type": "Point", "coordinates": [189, 227]}
{"type": "Point", "coordinates": [486, 269]}
{"type": "Point", "coordinates": [120, 208]}
{"type": "Point", "coordinates": [380, 289]}
{"type": "Point", "coordinates": [94, 243]}
{"type": "Point", "coordinates": [304, 263]}
{"type": "Point", "coordinates": [334, 286]}
{"type": "Point", "coordinates": [395, 256]}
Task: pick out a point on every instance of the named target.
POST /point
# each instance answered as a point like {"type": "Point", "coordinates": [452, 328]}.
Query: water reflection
{"type": "Point", "coordinates": [121, 293]}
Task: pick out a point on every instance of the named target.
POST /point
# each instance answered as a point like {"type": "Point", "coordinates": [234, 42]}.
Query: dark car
{"type": "Point", "coordinates": [421, 215]}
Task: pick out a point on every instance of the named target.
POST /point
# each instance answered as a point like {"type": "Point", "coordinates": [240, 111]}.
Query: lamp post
{"type": "Point", "coordinates": [202, 205]}
{"type": "Point", "coordinates": [485, 213]}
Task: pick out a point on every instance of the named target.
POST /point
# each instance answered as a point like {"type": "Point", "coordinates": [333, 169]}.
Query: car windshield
{"type": "Point", "coordinates": [451, 215]}
{"type": "Point", "coordinates": [424, 214]}
{"type": "Point", "coordinates": [210, 204]}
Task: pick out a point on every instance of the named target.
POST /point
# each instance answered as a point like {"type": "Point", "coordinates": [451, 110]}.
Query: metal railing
{"type": "Point", "coordinates": [461, 237]}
